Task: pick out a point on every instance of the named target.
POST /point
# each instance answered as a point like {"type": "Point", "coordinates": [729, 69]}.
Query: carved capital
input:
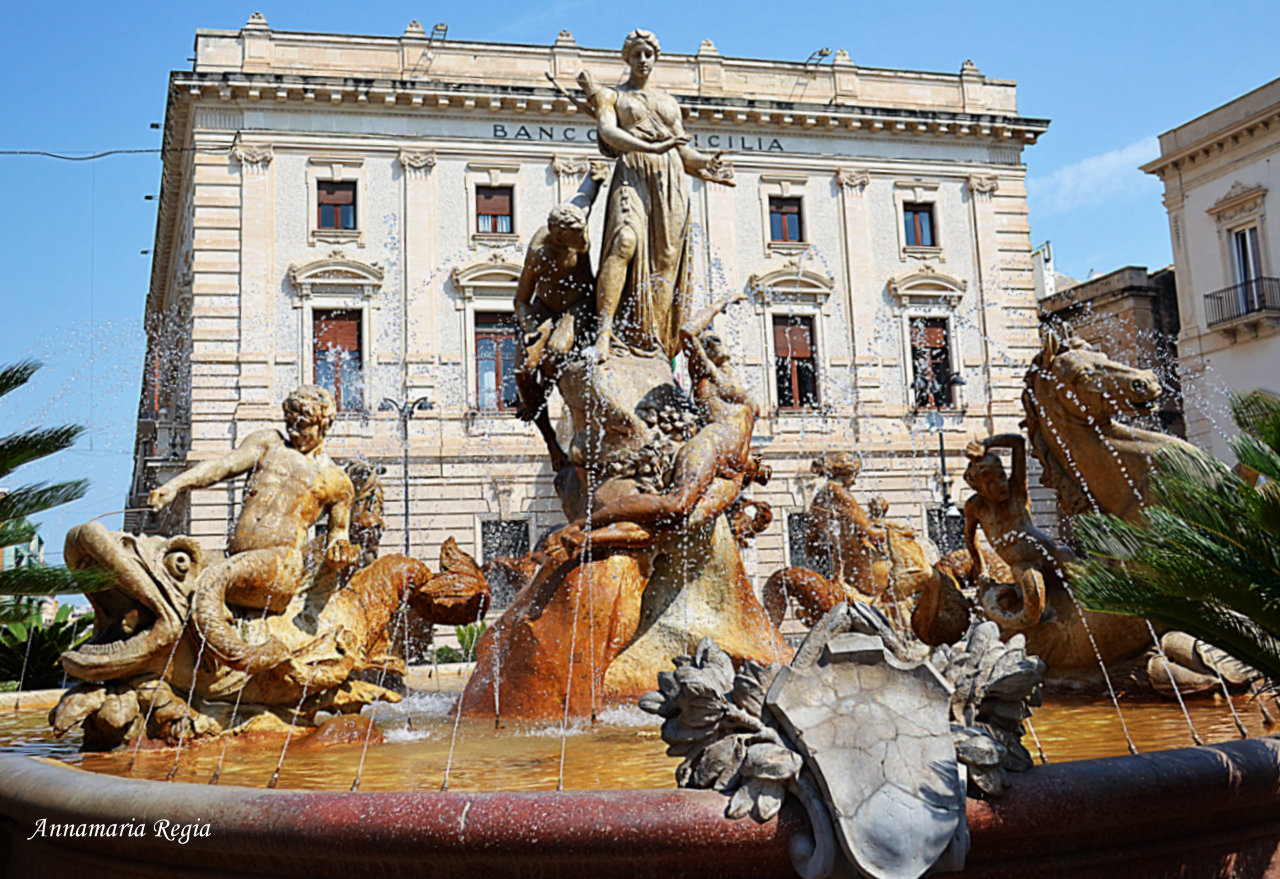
{"type": "Point", "coordinates": [985, 184]}
{"type": "Point", "coordinates": [253, 158]}
{"type": "Point", "coordinates": [856, 179]}
{"type": "Point", "coordinates": [421, 161]}
{"type": "Point", "coordinates": [570, 166]}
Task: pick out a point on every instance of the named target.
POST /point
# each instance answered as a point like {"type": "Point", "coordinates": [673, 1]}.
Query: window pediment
{"type": "Point", "coordinates": [337, 270]}
{"type": "Point", "coordinates": [336, 276]}
{"type": "Point", "coordinates": [490, 279]}
{"type": "Point", "coordinates": [927, 286]}
{"type": "Point", "coordinates": [791, 283]}
{"type": "Point", "coordinates": [1240, 204]}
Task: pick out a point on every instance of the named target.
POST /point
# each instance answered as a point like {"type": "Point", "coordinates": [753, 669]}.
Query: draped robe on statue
{"type": "Point", "coordinates": [649, 195]}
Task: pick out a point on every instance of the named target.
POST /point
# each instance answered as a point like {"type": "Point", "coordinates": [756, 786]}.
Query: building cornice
{"type": "Point", "coordinates": [1209, 147]}
{"type": "Point", "coordinates": [248, 89]}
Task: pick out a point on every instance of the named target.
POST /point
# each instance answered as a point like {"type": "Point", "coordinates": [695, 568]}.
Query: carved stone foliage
{"type": "Point", "coordinates": [421, 161]}
{"type": "Point", "coordinates": [854, 179]}
{"type": "Point", "coordinates": [253, 158]}
{"type": "Point", "coordinates": [983, 184]}
{"type": "Point", "coordinates": [866, 734]}
{"type": "Point", "coordinates": [572, 167]}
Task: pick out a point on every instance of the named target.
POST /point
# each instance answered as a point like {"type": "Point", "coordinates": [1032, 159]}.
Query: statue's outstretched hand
{"type": "Point", "coordinates": [716, 170]}
{"type": "Point", "coordinates": [161, 497]}
{"type": "Point", "coordinates": [341, 554]}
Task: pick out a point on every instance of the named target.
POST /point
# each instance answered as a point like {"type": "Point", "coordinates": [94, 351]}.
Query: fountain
{"type": "Point", "coordinates": [852, 752]}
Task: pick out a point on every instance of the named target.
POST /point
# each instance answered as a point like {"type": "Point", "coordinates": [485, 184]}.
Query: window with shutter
{"type": "Point", "coordinates": [336, 204]}
{"type": "Point", "coordinates": [784, 219]}
{"type": "Point", "coordinates": [795, 362]}
{"type": "Point", "coordinates": [337, 357]}
{"type": "Point", "coordinates": [493, 209]}
{"type": "Point", "coordinates": [918, 222]}
{"type": "Point", "coordinates": [496, 350]}
{"type": "Point", "coordinates": [931, 362]}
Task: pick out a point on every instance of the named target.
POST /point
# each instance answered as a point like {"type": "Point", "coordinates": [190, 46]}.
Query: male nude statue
{"type": "Point", "coordinates": [709, 471]}
{"type": "Point", "coordinates": [1002, 508]}
{"type": "Point", "coordinates": [292, 484]}
{"type": "Point", "coordinates": [554, 303]}
{"type": "Point", "coordinates": [838, 524]}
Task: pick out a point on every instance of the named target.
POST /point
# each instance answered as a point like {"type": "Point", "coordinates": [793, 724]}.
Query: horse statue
{"type": "Point", "coordinates": [1073, 395]}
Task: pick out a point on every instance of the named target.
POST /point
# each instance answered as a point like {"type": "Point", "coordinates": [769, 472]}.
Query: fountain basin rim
{"type": "Point", "coordinates": [1193, 806]}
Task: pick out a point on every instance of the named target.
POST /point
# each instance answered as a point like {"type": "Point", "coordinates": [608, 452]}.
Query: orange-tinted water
{"type": "Point", "coordinates": [622, 750]}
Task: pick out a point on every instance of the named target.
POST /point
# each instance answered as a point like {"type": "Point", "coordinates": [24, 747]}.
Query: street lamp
{"type": "Point", "coordinates": [933, 419]}
{"type": "Point", "coordinates": [405, 411]}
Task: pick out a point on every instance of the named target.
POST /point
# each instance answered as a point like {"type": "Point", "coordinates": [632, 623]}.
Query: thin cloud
{"type": "Point", "coordinates": [1094, 181]}
{"type": "Point", "coordinates": [534, 20]}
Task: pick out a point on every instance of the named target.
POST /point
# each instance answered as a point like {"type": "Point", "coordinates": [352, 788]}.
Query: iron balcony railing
{"type": "Point", "coordinates": [1254, 296]}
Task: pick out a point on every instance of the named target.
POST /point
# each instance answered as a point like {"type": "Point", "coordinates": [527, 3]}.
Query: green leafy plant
{"type": "Point", "coordinates": [31, 652]}
{"type": "Point", "coordinates": [18, 504]}
{"type": "Point", "coordinates": [1205, 557]}
{"type": "Point", "coordinates": [446, 654]}
{"type": "Point", "coordinates": [468, 635]}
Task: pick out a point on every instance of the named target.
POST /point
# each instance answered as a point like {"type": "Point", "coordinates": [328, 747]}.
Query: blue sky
{"type": "Point", "coordinates": [83, 77]}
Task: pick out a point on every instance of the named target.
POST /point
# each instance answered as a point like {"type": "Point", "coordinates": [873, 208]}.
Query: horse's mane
{"type": "Point", "coordinates": [1054, 472]}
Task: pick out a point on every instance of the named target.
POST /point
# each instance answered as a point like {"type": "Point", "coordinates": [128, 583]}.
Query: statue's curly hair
{"type": "Point", "coordinates": [833, 464]}
{"type": "Point", "coordinates": [568, 217]}
{"type": "Point", "coordinates": [638, 36]}
{"type": "Point", "coordinates": [312, 402]}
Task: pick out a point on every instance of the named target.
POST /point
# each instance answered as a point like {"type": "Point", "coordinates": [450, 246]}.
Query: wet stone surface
{"type": "Point", "coordinates": [875, 732]}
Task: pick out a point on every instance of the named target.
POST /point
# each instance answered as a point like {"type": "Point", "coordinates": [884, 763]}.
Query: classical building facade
{"type": "Point", "coordinates": [1218, 172]}
{"type": "Point", "coordinates": [352, 211]}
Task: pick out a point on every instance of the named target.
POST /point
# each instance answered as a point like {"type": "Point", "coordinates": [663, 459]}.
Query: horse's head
{"type": "Point", "coordinates": [1087, 383]}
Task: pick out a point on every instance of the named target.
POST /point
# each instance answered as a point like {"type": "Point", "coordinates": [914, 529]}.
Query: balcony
{"type": "Point", "coordinates": [1244, 305]}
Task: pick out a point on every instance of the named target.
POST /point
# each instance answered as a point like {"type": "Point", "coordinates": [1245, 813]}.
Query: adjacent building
{"type": "Point", "coordinates": [1218, 174]}
{"type": "Point", "coordinates": [1132, 314]}
{"type": "Point", "coordinates": [352, 211]}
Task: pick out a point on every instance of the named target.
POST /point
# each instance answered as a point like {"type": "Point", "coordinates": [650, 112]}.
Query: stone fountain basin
{"type": "Point", "coordinates": [1207, 811]}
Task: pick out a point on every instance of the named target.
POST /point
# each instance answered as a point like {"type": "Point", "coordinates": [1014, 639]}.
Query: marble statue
{"type": "Point", "coordinates": [292, 485]}
{"type": "Point", "coordinates": [555, 304]}
{"type": "Point", "coordinates": [868, 734]}
{"type": "Point", "coordinates": [1073, 395]}
{"type": "Point", "coordinates": [649, 563]}
{"type": "Point", "coordinates": [839, 526]}
{"type": "Point", "coordinates": [644, 277]}
{"type": "Point", "coordinates": [1001, 507]}
{"type": "Point", "coordinates": [711, 468]}
{"type": "Point", "coordinates": [872, 559]}
{"type": "Point", "coordinates": [1033, 597]}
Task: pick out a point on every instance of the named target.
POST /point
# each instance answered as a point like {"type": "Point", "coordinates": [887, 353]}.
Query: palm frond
{"type": "Point", "coordinates": [1258, 414]}
{"type": "Point", "coordinates": [22, 448]}
{"type": "Point", "coordinates": [16, 532]}
{"type": "Point", "coordinates": [1205, 557]}
{"type": "Point", "coordinates": [32, 499]}
{"type": "Point", "coordinates": [17, 375]}
{"type": "Point", "coordinates": [42, 580]}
